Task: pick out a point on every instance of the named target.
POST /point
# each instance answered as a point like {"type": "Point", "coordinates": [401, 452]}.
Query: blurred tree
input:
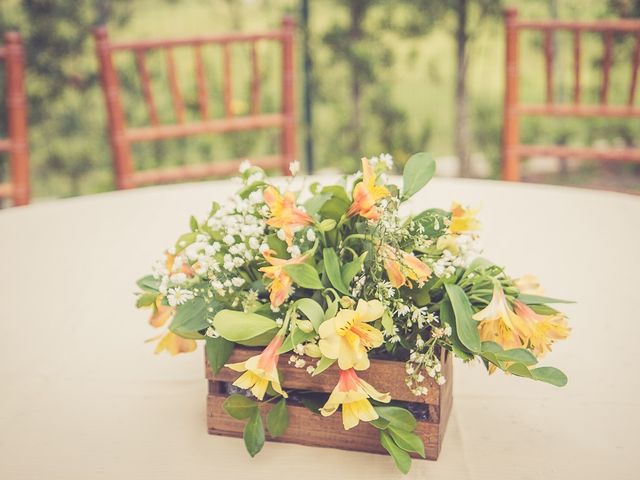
{"type": "Point", "coordinates": [66, 130]}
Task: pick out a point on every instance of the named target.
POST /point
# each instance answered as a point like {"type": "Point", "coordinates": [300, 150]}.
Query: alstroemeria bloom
{"type": "Point", "coordinates": [174, 344]}
{"type": "Point", "coordinates": [543, 329]}
{"type": "Point", "coordinates": [463, 220]}
{"type": "Point", "coordinates": [280, 287]}
{"type": "Point", "coordinates": [161, 313]}
{"type": "Point", "coordinates": [402, 267]}
{"type": "Point", "coordinates": [284, 213]}
{"type": "Point", "coordinates": [529, 284]}
{"type": "Point", "coordinates": [353, 393]}
{"type": "Point", "coordinates": [499, 324]}
{"type": "Point", "coordinates": [260, 369]}
{"type": "Point", "coordinates": [348, 337]}
{"type": "Point", "coordinates": [366, 194]}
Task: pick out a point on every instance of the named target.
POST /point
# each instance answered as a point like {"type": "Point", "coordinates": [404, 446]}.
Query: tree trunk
{"type": "Point", "coordinates": [462, 137]}
{"type": "Point", "coordinates": [355, 35]}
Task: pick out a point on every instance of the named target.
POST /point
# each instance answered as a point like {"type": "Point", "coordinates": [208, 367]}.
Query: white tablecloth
{"type": "Point", "coordinates": [82, 397]}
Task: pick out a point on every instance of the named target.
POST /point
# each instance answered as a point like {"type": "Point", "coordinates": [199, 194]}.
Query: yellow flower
{"type": "Point", "coordinates": [175, 344]}
{"type": "Point", "coordinates": [353, 393]}
{"type": "Point", "coordinates": [529, 284]}
{"type": "Point", "coordinates": [366, 194]}
{"type": "Point", "coordinates": [543, 329]}
{"type": "Point", "coordinates": [348, 337]}
{"type": "Point", "coordinates": [281, 284]}
{"type": "Point", "coordinates": [402, 267]}
{"type": "Point", "coordinates": [499, 324]}
{"type": "Point", "coordinates": [259, 370]}
{"type": "Point", "coordinates": [284, 213]}
{"type": "Point", "coordinates": [463, 220]}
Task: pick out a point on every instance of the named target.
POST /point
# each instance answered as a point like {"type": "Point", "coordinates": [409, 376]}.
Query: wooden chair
{"type": "Point", "coordinates": [512, 149]}
{"type": "Point", "coordinates": [122, 137]}
{"type": "Point", "coordinates": [18, 187]}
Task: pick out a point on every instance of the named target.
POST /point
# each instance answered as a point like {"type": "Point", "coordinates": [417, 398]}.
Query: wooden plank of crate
{"type": "Point", "coordinates": [384, 375]}
{"type": "Point", "coordinates": [308, 428]}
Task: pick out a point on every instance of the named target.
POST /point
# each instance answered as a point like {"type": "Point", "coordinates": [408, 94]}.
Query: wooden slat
{"type": "Point", "coordinates": [577, 60]}
{"type": "Point", "coordinates": [617, 154]}
{"type": "Point", "coordinates": [635, 64]}
{"type": "Point", "coordinates": [5, 144]}
{"type": "Point", "coordinates": [308, 428]}
{"type": "Point", "coordinates": [195, 171]}
{"type": "Point", "coordinates": [548, 63]}
{"type": "Point", "coordinates": [227, 86]}
{"type": "Point", "coordinates": [145, 81]}
{"type": "Point", "coordinates": [201, 82]}
{"type": "Point", "coordinates": [580, 110]}
{"type": "Point", "coordinates": [196, 40]}
{"type": "Point", "coordinates": [255, 80]}
{"type": "Point", "coordinates": [622, 25]}
{"type": "Point", "coordinates": [607, 61]}
{"type": "Point", "coordinates": [6, 190]}
{"type": "Point", "coordinates": [176, 96]}
{"type": "Point", "coordinates": [143, 134]}
{"type": "Point", "coordinates": [385, 376]}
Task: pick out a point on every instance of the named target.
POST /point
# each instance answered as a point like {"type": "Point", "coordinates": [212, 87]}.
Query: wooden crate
{"type": "Point", "coordinates": [308, 428]}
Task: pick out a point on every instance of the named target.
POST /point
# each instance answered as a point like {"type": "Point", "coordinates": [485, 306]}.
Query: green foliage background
{"type": "Point", "coordinates": [402, 56]}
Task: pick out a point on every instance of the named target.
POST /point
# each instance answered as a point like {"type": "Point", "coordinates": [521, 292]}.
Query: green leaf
{"type": "Point", "coordinates": [408, 441]}
{"type": "Point", "coordinates": [550, 375]}
{"type": "Point", "coordinates": [332, 310]}
{"type": "Point", "coordinates": [402, 458]}
{"type": "Point", "coordinates": [323, 364]}
{"type": "Point", "coordinates": [278, 418]}
{"type": "Point", "coordinates": [351, 269]}
{"type": "Point", "coordinates": [193, 223]}
{"type": "Point", "coordinates": [253, 434]}
{"type": "Point", "coordinates": [312, 310]}
{"type": "Point", "coordinates": [418, 170]}
{"type": "Point", "coordinates": [520, 370]}
{"type": "Point", "coordinates": [294, 338]}
{"type": "Point", "coordinates": [397, 417]}
{"type": "Point", "coordinates": [447, 316]}
{"type": "Point", "coordinates": [304, 275]}
{"type": "Point", "coordinates": [315, 203]}
{"type": "Point", "coordinates": [241, 327]}
{"type": "Point", "coordinates": [521, 355]}
{"type": "Point", "coordinates": [332, 267]}
{"type": "Point", "coordinates": [466, 326]}
{"type": "Point", "coordinates": [337, 205]}
{"type": "Point", "coordinates": [149, 284]}
{"type": "Point", "coordinates": [185, 240]}
{"type": "Point", "coordinates": [538, 299]}
{"type": "Point", "coordinates": [239, 406]}
{"type": "Point", "coordinates": [433, 221]}
{"type": "Point", "coordinates": [387, 322]}
{"type": "Point", "coordinates": [218, 352]}
{"type": "Point", "coordinates": [380, 423]}
{"type": "Point", "coordinates": [543, 309]}
{"type": "Point", "coordinates": [190, 318]}
{"type": "Point", "coordinates": [146, 299]}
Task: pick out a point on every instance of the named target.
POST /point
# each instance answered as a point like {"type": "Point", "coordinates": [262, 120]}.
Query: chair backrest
{"type": "Point", "coordinates": [122, 137]}
{"type": "Point", "coordinates": [18, 187]}
{"type": "Point", "coordinates": [512, 149]}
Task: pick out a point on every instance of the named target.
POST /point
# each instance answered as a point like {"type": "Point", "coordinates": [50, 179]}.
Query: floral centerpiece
{"type": "Point", "coordinates": [335, 275]}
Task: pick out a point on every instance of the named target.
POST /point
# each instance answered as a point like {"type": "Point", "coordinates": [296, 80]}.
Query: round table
{"type": "Point", "coordinates": [84, 397]}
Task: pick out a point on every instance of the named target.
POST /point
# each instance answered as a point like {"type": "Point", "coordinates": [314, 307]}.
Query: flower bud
{"type": "Point", "coordinates": [328, 224]}
{"type": "Point", "coordinates": [305, 325]}
{"type": "Point", "coordinates": [347, 302]}
{"type": "Point", "coordinates": [312, 350]}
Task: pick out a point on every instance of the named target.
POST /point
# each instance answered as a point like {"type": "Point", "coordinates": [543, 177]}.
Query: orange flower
{"type": "Point", "coordinates": [284, 213]}
{"type": "Point", "coordinates": [402, 267]}
{"type": "Point", "coordinates": [259, 370]}
{"type": "Point", "coordinates": [175, 344]}
{"type": "Point", "coordinates": [499, 324]}
{"type": "Point", "coordinates": [281, 284]}
{"type": "Point", "coordinates": [463, 219]}
{"type": "Point", "coordinates": [366, 194]}
{"type": "Point", "coordinates": [543, 329]}
{"type": "Point", "coordinates": [161, 313]}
